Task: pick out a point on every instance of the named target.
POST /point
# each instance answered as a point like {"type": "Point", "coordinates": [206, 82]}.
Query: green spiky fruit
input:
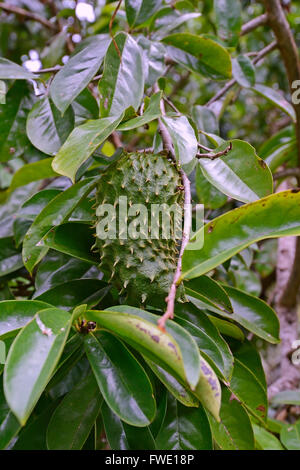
{"type": "Point", "coordinates": [141, 266]}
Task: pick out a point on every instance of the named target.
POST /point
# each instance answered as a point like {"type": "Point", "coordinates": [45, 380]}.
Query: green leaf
{"type": "Point", "coordinates": [275, 98]}
{"type": "Point", "coordinates": [248, 355]}
{"type": "Point", "coordinates": [240, 174]}
{"type": "Point", "coordinates": [209, 294]}
{"type": "Point", "coordinates": [46, 128]}
{"type": "Point", "coordinates": [122, 381]}
{"type": "Point", "coordinates": [122, 436]}
{"type": "Point", "coordinates": [122, 82]}
{"type": "Point", "coordinates": [73, 419]}
{"type": "Point", "coordinates": [265, 440]}
{"type": "Point", "coordinates": [10, 256]}
{"type": "Point", "coordinates": [208, 389]}
{"type": "Point", "coordinates": [207, 194]}
{"type": "Point", "coordinates": [14, 314]}
{"type": "Point", "coordinates": [57, 268]}
{"type": "Point", "coordinates": [184, 140]}
{"type": "Point", "coordinates": [184, 428]}
{"type": "Point", "coordinates": [254, 314]}
{"type": "Point", "coordinates": [243, 71]}
{"type": "Point", "coordinates": [13, 139]}
{"type": "Point", "coordinates": [55, 213]}
{"type": "Point", "coordinates": [31, 172]}
{"type": "Point", "coordinates": [227, 328]}
{"type": "Point", "coordinates": [153, 59]}
{"type": "Point", "coordinates": [2, 92]}
{"type": "Point", "coordinates": [178, 391]}
{"type": "Point", "coordinates": [73, 239]}
{"type": "Point", "coordinates": [288, 397]}
{"type": "Point", "coordinates": [271, 217]}
{"type": "Point", "coordinates": [82, 143]}
{"type": "Point", "coordinates": [72, 293]}
{"type": "Point", "coordinates": [139, 328]}
{"type": "Point", "coordinates": [78, 72]}
{"type": "Point", "coordinates": [139, 11]}
{"type": "Point", "coordinates": [290, 436]}
{"type": "Point", "coordinates": [234, 431]}
{"type": "Point", "coordinates": [36, 203]}
{"type": "Point", "coordinates": [229, 20]}
{"type": "Point", "coordinates": [200, 54]}
{"type": "Point", "coordinates": [175, 23]}
{"type": "Point", "coordinates": [9, 425]}
{"type": "Point", "coordinates": [248, 389]}
{"type": "Point", "coordinates": [207, 337]}
{"type": "Point", "coordinates": [152, 112]}
{"type": "Point", "coordinates": [32, 359]}
{"type": "Point", "coordinates": [12, 71]}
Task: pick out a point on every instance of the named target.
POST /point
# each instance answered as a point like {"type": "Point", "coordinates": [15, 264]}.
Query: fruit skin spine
{"type": "Point", "coordinates": [141, 269]}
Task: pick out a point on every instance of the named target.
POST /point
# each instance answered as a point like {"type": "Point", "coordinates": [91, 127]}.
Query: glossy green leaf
{"type": "Point", "coordinates": [81, 143]}
{"type": "Point", "coordinates": [122, 436]}
{"type": "Point", "coordinates": [290, 436]}
{"type": "Point", "coordinates": [207, 193]}
{"type": "Point", "coordinates": [248, 389]}
{"type": "Point", "coordinates": [229, 20]}
{"type": "Point", "coordinates": [265, 440]}
{"type": "Point", "coordinates": [72, 293]}
{"type": "Point", "coordinates": [13, 139]}
{"type": "Point", "coordinates": [73, 239]}
{"type": "Point", "coordinates": [55, 213]}
{"type": "Point", "coordinates": [209, 294]}
{"type": "Point", "coordinates": [254, 314]}
{"type": "Point", "coordinates": [240, 174]}
{"type": "Point", "coordinates": [57, 268]}
{"type": "Point", "coordinates": [78, 71]}
{"type": "Point", "coordinates": [85, 107]}
{"type": "Point", "coordinates": [46, 128]}
{"type": "Point", "coordinates": [14, 314]}
{"type": "Point", "coordinates": [175, 388]}
{"type": "Point", "coordinates": [36, 350]}
{"type": "Point", "coordinates": [271, 217]}
{"type": "Point", "coordinates": [184, 140]}
{"type": "Point", "coordinates": [249, 356]}
{"type": "Point", "coordinates": [200, 54]}
{"type": "Point", "coordinates": [184, 428]}
{"type": "Point", "coordinates": [36, 203]}
{"type": "Point", "coordinates": [152, 112]}
{"type": "Point", "coordinates": [243, 71]}
{"type": "Point", "coordinates": [153, 59]}
{"type": "Point", "coordinates": [227, 328]}
{"type": "Point", "coordinates": [12, 71]}
{"type": "Point", "coordinates": [175, 23]}
{"type": "Point", "coordinates": [234, 431]}
{"type": "Point", "coordinates": [288, 397]}
{"type": "Point", "coordinates": [207, 337]}
{"type": "Point", "coordinates": [208, 389]}
{"type": "Point", "coordinates": [139, 11]}
{"type": "Point", "coordinates": [75, 416]}
{"type": "Point", "coordinates": [275, 98]}
{"type": "Point", "coordinates": [122, 380]}
{"type": "Point", "coordinates": [10, 256]}
{"type": "Point", "coordinates": [32, 172]}
{"type": "Point", "coordinates": [139, 328]}
{"type": "Point", "coordinates": [9, 425]}
{"type": "Point", "coordinates": [122, 82]}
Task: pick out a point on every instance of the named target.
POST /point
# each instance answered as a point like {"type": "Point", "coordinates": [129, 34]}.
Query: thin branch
{"type": "Point", "coordinates": [213, 156]}
{"type": "Point", "coordinates": [168, 147]}
{"type": "Point", "coordinates": [54, 69]}
{"type": "Point", "coordinates": [287, 173]}
{"type": "Point", "coordinates": [110, 29]}
{"type": "Point", "coordinates": [259, 56]}
{"type": "Point", "coordinates": [28, 15]}
{"type": "Point", "coordinates": [253, 24]}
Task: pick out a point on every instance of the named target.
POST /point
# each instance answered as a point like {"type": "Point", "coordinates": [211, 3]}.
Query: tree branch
{"type": "Point", "coordinates": [168, 147]}
{"type": "Point", "coordinates": [27, 15]}
{"type": "Point", "coordinates": [213, 156]}
{"type": "Point", "coordinates": [287, 173]}
{"type": "Point", "coordinates": [259, 56]}
{"type": "Point", "coordinates": [253, 24]}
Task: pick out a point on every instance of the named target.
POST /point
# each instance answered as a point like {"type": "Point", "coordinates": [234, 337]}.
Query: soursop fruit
{"type": "Point", "coordinates": [138, 249]}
